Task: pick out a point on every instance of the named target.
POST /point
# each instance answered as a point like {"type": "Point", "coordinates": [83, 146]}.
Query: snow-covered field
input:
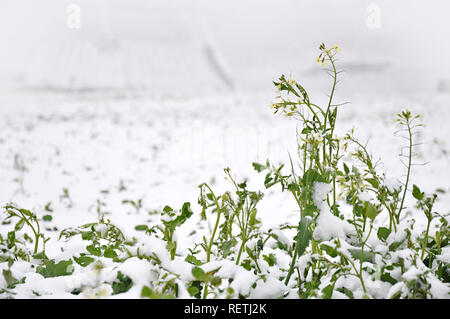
{"type": "Point", "coordinates": [148, 100]}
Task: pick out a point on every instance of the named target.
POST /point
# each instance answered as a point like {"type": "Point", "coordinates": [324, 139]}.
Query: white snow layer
{"type": "Point", "coordinates": [328, 225]}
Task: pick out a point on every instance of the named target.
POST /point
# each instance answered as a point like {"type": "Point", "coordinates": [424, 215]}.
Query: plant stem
{"type": "Point", "coordinates": [358, 274]}
{"type": "Point", "coordinates": [208, 251]}
{"type": "Point", "coordinates": [240, 252]}
{"type": "Point", "coordinates": [409, 169]}
{"type": "Point", "coordinates": [36, 234]}
{"type": "Point", "coordinates": [424, 245]}
{"type": "Point", "coordinates": [362, 250]}
{"type": "Point", "coordinates": [291, 268]}
{"type": "Point", "coordinates": [327, 112]}
{"type": "Point", "coordinates": [219, 210]}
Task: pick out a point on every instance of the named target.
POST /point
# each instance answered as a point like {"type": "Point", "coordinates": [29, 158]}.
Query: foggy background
{"type": "Point", "coordinates": [199, 47]}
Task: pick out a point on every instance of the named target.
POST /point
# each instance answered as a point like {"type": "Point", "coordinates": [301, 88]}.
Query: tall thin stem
{"type": "Point", "coordinates": [408, 124]}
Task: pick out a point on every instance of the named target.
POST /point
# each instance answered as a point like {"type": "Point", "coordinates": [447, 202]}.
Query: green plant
{"type": "Point", "coordinates": [320, 168]}
{"type": "Point", "coordinates": [137, 205]}
{"type": "Point", "coordinates": [19, 166]}
{"type": "Point", "coordinates": [23, 217]}
{"type": "Point", "coordinates": [237, 210]}
{"type": "Point", "coordinates": [65, 198]}
{"type": "Point", "coordinates": [50, 268]}
{"type": "Point", "coordinates": [122, 284]}
{"type": "Point", "coordinates": [105, 239]}
{"type": "Point", "coordinates": [170, 221]}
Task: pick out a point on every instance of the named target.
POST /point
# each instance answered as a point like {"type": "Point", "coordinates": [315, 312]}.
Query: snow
{"type": "Point", "coordinates": [303, 262]}
{"type": "Point", "coordinates": [320, 193]}
{"type": "Point", "coordinates": [338, 295]}
{"type": "Point", "coordinates": [439, 289]}
{"type": "Point", "coordinates": [330, 226]}
{"type": "Point", "coordinates": [392, 184]}
{"type": "Point", "coordinates": [411, 274]}
{"type": "Point", "coordinates": [269, 289]}
{"type": "Point", "coordinates": [281, 237]}
{"type": "Point", "coordinates": [242, 282]}
{"type": "Point", "coordinates": [116, 111]}
{"type": "Point", "coordinates": [365, 196]}
{"type": "Point", "coordinates": [400, 286]}
{"type": "Point", "coordinates": [138, 270]}
{"type": "Point", "coordinates": [444, 256]}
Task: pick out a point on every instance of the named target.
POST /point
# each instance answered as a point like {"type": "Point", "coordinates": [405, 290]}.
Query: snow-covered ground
{"type": "Point", "coordinates": [149, 99]}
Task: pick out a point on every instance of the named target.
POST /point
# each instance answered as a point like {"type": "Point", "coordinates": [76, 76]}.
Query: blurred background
{"type": "Point", "coordinates": [201, 47]}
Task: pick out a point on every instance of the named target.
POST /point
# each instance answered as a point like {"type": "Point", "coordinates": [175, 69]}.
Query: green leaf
{"type": "Point", "coordinates": [171, 247]}
{"type": "Point", "coordinates": [303, 92]}
{"type": "Point", "coordinates": [311, 176]}
{"type": "Point", "coordinates": [11, 239]}
{"type": "Point", "coordinates": [51, 269]}
{"type": "Point", "coordinates": [47, 218]}
{"type": "Point", "coordinates": [366, 256]}
{"type": "Point", "coordinates": [94, 250]}
{"type": "Point", "coordinates": [19, 225]}
{"type": "Point", "coordinates": [309, 210]}
{"type": "Point", "coordinates": [110, 253]}
{"type": "Point", "coordinates": [141, 227]}
{"type": "Point", "coordinates": [193, 260]}
{"type": "Point", "coordinates": [370, 210]}
{"type": "Point", "coordinates": [87, 235]}
{"type": "Point", "coordinates": [149, 293]}
{"type": "Point", "coordinates": [195, 288]}
{"type": "Point", "coordinates": [121, 284]}
{"type": "Point", "coordinates": [26, 212]}
{"type": "Point", "coordinates": [306, 130]}
{"type": "Point", "coordinates": [83, 260]}
{"type": "Point", "coordinates": [186, 212]}
{"type": "Point", "coordinates": [327, 291]}
{"type": "Point", "coordinates": [146, 292]}
{"type": "Point", "coordinates": [395, 245]}
{"type": "Point", "coordinates": [48, 207]}
{"type": "Point", "coordinates": [167, 209]}
{"type": "Point", "coordinates": [269, 181]}
{"type": "Point", "coordinates": [373, 182]}
{"type": "Point", "coordinates": [386, 276]}
{"type": "Point", "coordinates": [383, 233]}
{"type": "Point", "coordinates": [270, 259]}
{"type": "Point", "coordinates": [10, 280]}
{"type": "Point", "coordinates": [253, 220]}
{"type": "Point", "coordinates": [293, 187]}
{"type": "Point", "coordinates": [216, 281]}
{"type": "Point", "coordinates": [249, 252]}
{"type": "Point", "coordinates": [199, 274]}
{"type": "Point", "coordinates": [193, 291]}
{"type": "Point", "coordinates": [417, 194]}
{"type": "Point", "coordinates": [40, 256]}
{"type": "Point", "coordinates": [346, 169]}
{"type": "Point", "coordinates": [347, 292]}
{"type": "Point", "coordinates": [258, 167]}
{"type": "Point", "coordinates": [243, 185]}
{"type": "Point", "coordinates": [329, 250]}
{"type": "Point", "coordinates": [303, 235]}
{"type": "Point", "coordinates": [246, 264]}
{"type": "Point", "coordinates": [227, 246]}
